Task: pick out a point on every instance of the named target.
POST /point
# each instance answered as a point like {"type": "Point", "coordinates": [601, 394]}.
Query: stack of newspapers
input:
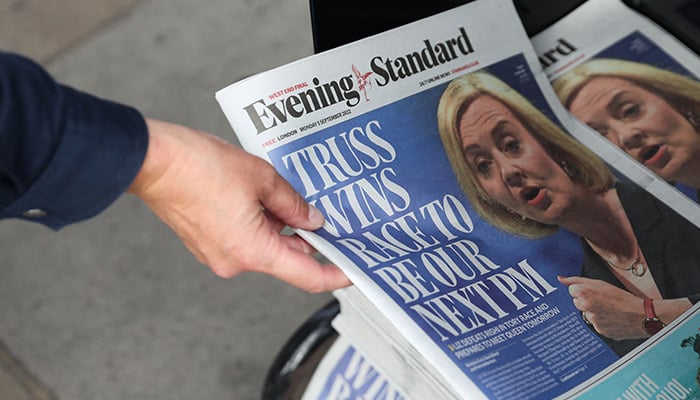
{"type": "Point", "coordinates": [519, 216]}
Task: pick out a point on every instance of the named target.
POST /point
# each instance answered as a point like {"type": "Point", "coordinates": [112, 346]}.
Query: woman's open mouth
{"type": "Point", "coordinates": [651, 154]}
{"type": "Point", "coordinates": [533, 196]}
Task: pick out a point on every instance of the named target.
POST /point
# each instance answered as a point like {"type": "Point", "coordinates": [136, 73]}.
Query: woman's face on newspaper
{"type": "Point", "coordinates": [511, 165]}
{"type": "Point", "coordinates": [641, 123]}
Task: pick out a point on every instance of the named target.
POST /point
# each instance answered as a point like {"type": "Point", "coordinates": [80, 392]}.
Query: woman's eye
{"type": "Point", "coordinates": [483, 166]}
{"type": "Point", "coordinates": [511, 146]}
{"type": "Point", "coordinates": [630, 111]}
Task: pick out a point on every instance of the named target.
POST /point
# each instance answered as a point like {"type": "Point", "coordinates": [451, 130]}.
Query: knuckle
{"type": "Point", "coordinates": [266, 176]}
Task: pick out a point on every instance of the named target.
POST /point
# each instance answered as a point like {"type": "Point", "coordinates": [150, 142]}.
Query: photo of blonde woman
{"type": "Point", "coordinates": [526, 176]}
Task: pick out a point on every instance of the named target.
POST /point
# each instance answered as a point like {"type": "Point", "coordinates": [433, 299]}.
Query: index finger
{"type": "Point", "coordinates": [571, 280]}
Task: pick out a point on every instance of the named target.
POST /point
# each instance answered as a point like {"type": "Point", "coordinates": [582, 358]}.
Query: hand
{"type": "Point", "coordinates": [613, 312]}
{"type": "Point", "coordinates": [228, 207]}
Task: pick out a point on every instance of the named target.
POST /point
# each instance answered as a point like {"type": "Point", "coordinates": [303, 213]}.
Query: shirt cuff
{"type": "Point", "coordinates": [101, 151]}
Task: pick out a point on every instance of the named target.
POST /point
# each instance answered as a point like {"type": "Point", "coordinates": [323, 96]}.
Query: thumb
{"type": "Point", "coordinates": [570, 280]}
{"type": "Point", "coordinates": [286, 204]}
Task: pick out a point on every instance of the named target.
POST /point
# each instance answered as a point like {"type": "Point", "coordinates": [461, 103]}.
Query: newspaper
{"type": "Point", "coordinates": [606, 39]}
{"type": "Point", "coordinates": [665, 367]}
{"type": "Point", "coordinates": [383, 345]}
{"type": "Point", "coordinates": [453, 236]}
{"type": "Point", "coordinates": [344, 373]}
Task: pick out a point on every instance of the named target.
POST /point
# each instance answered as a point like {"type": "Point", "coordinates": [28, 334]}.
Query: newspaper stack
{"type": "Point", "coordinates": [499, 247]}
{"type": "Point", "coordinates": [345, 373]}
{"type": "Point", "coordinates": [383, 345]}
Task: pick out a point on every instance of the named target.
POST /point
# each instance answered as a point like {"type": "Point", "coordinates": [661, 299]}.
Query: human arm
{"type": "Point", "coordinates": [617, 313]}
{"type": "Point", "coordinates": [67, 155]}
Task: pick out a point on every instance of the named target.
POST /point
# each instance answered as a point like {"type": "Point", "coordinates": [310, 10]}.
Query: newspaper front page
{"type": "Point", "coordinates": [456, 202]}
{"type": "Point", "coordinates": [642, 101]}
{"type": "Point", "coordinates": [606, 43]}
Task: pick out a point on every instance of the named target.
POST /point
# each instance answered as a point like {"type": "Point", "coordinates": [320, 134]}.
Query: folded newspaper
{"type": "Point", "coordinates": [604, 55]}
{"type": "Point", "coordinates": [510, 259]}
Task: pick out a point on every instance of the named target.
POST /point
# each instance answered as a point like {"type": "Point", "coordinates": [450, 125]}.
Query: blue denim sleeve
{"type": "Point", "coordinates": [65, 155]}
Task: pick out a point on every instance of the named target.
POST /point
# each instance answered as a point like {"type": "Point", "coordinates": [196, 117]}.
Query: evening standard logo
{"type": "Point", "coordinates": [302, 99]}
{"type": "Point", "coordinates": [561, 51]}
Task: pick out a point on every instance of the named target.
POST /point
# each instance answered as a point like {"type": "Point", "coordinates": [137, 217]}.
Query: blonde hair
{"type": "Point", "coordinates": [581, 164]}
{"type": "Point", "coordinates": [681, 92]}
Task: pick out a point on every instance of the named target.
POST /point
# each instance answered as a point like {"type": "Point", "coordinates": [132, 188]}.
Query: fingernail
{"type": "Point", "coordinates": [315, 216]}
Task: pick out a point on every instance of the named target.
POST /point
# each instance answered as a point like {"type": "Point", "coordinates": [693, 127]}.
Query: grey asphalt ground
{"type": "Point", "coordinates": [116, 308]}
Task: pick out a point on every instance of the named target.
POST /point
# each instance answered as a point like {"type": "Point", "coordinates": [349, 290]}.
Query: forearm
{"type": "Point", "coordinates": [227, 206]}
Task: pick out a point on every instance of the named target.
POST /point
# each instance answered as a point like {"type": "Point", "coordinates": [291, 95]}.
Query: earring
{"type": "Point", "coordinates": [692, 119]}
